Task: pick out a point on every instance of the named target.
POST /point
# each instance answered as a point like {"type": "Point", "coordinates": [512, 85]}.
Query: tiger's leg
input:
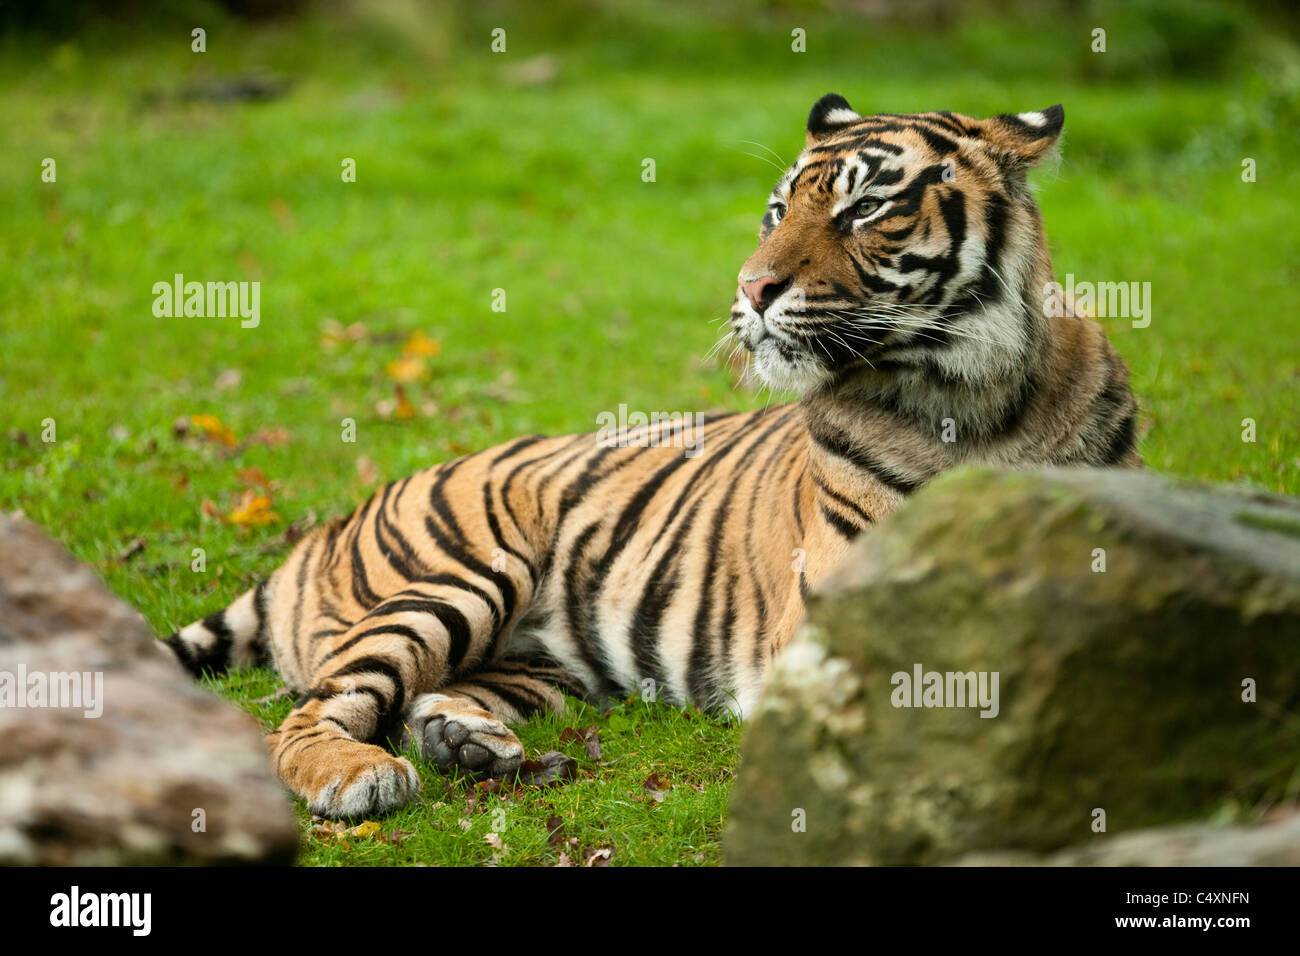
{"type": "Point", "coordinates": [327, 750]}
{"type": "Point", "coordinates": [464, 724]}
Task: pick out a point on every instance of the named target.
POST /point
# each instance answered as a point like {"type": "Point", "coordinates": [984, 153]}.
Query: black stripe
{"type": "Point", "coordinates": [507, 693]}
{"type": "Point", "coordinates": [374, 665]}
{"type": "Point", "coordinates": [845, 502]}
{"type": "Point", "coordinates": [361, 590]}
{"type": "Point", "coordinates": [494, 528]}
{"type": "Point", "coordinates": [400, 630]}
{"type": "Point", "coordinates": [301, 582]}
{"type": "Point", "coordinates": [861, 458]}
{"type": "Point", "coordinates": [1122, 440]}
{"type": "Point", "coordinates": [840, 524]}
{"type": "Point", "coordinates": [509, 596]}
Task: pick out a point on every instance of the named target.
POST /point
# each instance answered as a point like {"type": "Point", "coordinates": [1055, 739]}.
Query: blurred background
{"type": "Point", "coordinates": [522, 170]}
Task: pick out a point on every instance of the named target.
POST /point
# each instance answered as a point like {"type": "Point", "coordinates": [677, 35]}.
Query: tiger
{"type": "Point", "coordinates": [899, 290]}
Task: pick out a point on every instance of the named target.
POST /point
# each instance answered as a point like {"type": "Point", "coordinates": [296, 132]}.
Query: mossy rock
{"type": "Point", "coordinates": [1119, 690]}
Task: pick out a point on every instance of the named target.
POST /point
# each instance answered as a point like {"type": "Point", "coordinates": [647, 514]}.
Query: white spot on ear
{"type": "Point", "coordinates": [839, 117]}
{"type": "Point", "coordinates": [1032, 119]}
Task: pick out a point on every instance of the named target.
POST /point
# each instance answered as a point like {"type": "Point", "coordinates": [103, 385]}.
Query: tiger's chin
{"type": "Point", "coordinates": [785, 370]}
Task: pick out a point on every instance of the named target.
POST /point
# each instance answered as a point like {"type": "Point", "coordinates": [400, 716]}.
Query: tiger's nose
{"type": "Point", "coordinates": [763, 291]}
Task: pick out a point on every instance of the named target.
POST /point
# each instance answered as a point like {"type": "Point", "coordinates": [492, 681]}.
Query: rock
{"type": "Point", "coordinates": [118, 778]}
{"type": "Point", "coordinates": [1274, 843]}
{"type": "Point", "coordinates": [1119, 692]}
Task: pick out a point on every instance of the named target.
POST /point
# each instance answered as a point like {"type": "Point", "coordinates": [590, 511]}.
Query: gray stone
{"type": "Point", "coordinates": [1119, 691]}
{"type": "Point", "coordinates": [1272, 843]}
{"type": "Point", "coordinates": [121, 787]}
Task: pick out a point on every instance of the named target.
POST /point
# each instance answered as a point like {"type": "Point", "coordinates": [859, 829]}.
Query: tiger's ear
{"type": "Point", "coordinates": [1021, 141]}
{"type": "Point", "coordinates": [829, 114]}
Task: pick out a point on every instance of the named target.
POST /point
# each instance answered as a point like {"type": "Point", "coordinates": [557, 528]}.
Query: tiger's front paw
{"type": "Point", "coordinates": [344, 778]}
{"type": "Point", "coordinates": [454, 732]}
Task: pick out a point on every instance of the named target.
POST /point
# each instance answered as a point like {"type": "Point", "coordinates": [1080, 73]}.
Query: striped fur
{"type": "Point", "coordinates": [904, 302]}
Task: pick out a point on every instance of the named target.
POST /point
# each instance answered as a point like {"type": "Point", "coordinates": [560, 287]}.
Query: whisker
{"type": "Point", "coordinates": [751, 142]}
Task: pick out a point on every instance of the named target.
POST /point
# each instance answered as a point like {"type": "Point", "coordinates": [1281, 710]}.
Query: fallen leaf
{"type": "Point", "coordinates": [270, 437]}
{"type": "Point", "coordinates": [213, 429]}
{"type": "Point", "coordinates": [590, 737]}
{"type": "Point", "coordinates": [253, 476]}
{"type": "Point", "coordinates": [656, 786]}
{"type": "Point", "coordinates": [293, 534]}
{"type": "Point", "coordinates": [365, 830]}
{"type": "Point", "coordinates": [550, 769]}
{"type": "Point", "coordinates": [283, 214]}
{"type": "Point", "coordinates": [421, 344]}
{"type": "Point", "coordinates": [130, 551]}
{"type": "Point", "coordinates": [564, 860]}
{"type": "Point", "coordinates": [599, 857]}
{"type": "Point", "coordinates": [406, 369]}
{"type": "Point", "coordinates": [333, 333]}
{"type": "Point", "coordinates": [367, 470]}
{"type": "Point", "coordinates": [279, 692]}
{"type": "Point", "coordinates": [493, 840]}
{"type": "Point", "coordinates": [228, 379]}
{"type": "Point", "coordinates": [210, 509]}
{"type": "Point", "coordinates": [503, 389]}
{"type": "Point", "coordinates": [555, 831]}
{"type": "Point", "coordinates": [404, 407]}
{"type": "Point", "coordinates": [253, 509]}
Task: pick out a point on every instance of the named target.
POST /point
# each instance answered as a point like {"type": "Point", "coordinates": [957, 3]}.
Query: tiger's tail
{"type": "Point", "coordinates": [234, 636]}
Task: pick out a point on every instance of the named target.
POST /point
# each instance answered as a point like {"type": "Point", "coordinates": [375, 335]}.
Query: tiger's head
{"type": "Point", "coordinates": [898, 242]}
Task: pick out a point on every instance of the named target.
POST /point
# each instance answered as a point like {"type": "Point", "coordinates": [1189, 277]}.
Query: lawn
{"type": "Point", "coordinates": [522, 171]}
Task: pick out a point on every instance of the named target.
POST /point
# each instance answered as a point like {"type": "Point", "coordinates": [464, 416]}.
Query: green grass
{"type": "Point", "coordinates": [469, 180]}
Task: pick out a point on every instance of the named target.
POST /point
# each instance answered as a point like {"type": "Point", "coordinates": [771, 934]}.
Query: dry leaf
{"type": "Point", "coordinates": [253, 509]}
{"type": "Point", "coordinates": [293, 534]}
{"type": "Point", "coordinates": [279, 692]}
{"type": "Point", "coordinates": [252, 475]}
{"type": "Point", "coordinates": [228, 379]}
{"type": "Point", "coordinates": [599, 857]}
{"type": "Point", "coordinates": [130, 551]}
{"type": "Point", "coordinates": [590, 737]}
{"type": "Point", "coordinates": [367, 470]}
{"type": "Point", "coordinates": [503, 389]}
{"type": "Point", "coordinates": [404, 407]}
{"type": "Point", "coordinates": [656, 787]}
{"type": "Point", "coordinates": [270, 437]}
{"type": "Point", "coordinates": [364, 830]}
{"type": "Point", "coordinates": [283, 214]}
{"type": "Point", "coordinates": [421, 344]}
{"type": "Point", "coordinates": [408, 368]}
{"type": "Point", "coordinates": [333, 333]}
{"type": "Point", "coordinates": [549, 769]}
{"type": "Point", "coordinates": [555, 831]}
{"type": "Point", "coordinates": [213, 429]}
